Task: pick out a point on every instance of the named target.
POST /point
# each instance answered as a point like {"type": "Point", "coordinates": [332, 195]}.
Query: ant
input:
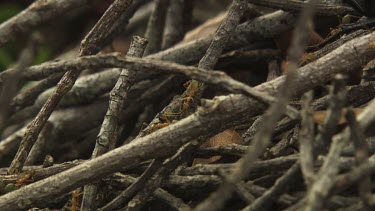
{"type": "Point", "coordinates": [157, 126]}
{"type": "Point", "coordinates": [27, 177]}
{"type": "Point", "coordinates": [75, 200]}
{"type": "Point", "coordinates": [192, 88]}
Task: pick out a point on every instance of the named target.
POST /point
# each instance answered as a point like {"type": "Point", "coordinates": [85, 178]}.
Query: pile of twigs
{"type": "Point", "coordinates": [301, 139]}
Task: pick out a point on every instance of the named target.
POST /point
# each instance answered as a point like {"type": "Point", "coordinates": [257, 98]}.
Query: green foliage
{"type": "Point", "coordinates": [5, 59]}
{"type": "Point", "coordinates": [44, 54]}
{"type": "Point", "coordinates": [8, 10]}
{"type": "Point", "coordinates": [10, 187]}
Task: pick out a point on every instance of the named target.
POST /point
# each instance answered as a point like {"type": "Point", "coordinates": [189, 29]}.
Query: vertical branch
{"type": "Point", "coordinates": [273, 72]}
{"type": "Point", "coordinates": [362, 156]}
{"type": "Point", "coordinates": [122, 23]}
{"type": "Point", "coordinates": [13, 80]}
{"type": "Point", "coordinates": [168, 167]}
{"type": "Point", "coordinates": [221, 37]}
{"type": "Point", "coordinates": [252, 130]}
{"type": "Point", "coordinates": [223, 34]}
{"type": "Point", "coordinates": [321, 188]}
{"type": "Point", "coordinates": [90, 45]}
{"type": "Point", "coordinates": [337, 102]}
{"type": "Point", "coordinates": [95, 39]}
{"type": "Point", "coordinates": [107, 137]}
{"type": "Point", "coordinates": [306, 139]}
{"type": "Point", "coordinates": [262, 139]}
{"type": "Point", "coordinates": [155, 27]}
{"type": "Point", "coordinates": [174, 25]}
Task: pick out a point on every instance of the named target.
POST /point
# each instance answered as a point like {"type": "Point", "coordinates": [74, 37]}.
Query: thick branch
{"type": "Point", "coordinates": [206, 121]}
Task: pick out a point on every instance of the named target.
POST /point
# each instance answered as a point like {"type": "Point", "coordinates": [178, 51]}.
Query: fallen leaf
{"type": "Point", "coordinates": [226, 137]}
{"type": "Point", "coordinates": [319, 116]}
{"type": "Point", "coordinates": [206, 29]}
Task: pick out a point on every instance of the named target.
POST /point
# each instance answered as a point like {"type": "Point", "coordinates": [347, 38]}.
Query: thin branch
{"type": "Point", "coordinates": [195, 88]}
{"type": "Point", "coordinates": [271, 195]}
{"type": "Point", "coordinates": [362, 155]}
{"type": "Point", "coordinates": [116, 60]}
{"type": "Point", "coordinates": [132, 190]}
{"type": "Point", "coordinates": [155, 27]}
{"type": "Point", "coordinates": [332, 46]}
{"type": "Point", "coordinates": [252, 130]}
{"type": "Point", "coordinates": [321, 188]}
{"type": "Point", "coordinates": [217, 199]}
{"type": "Point", "coordinates": [278, 164]}
{"type": "Point", "coordinates": [121, 26]}
{"type": "Point", "coordinates": [229, 149]}
{"type": "Point", "coordinates": [108, 133]}
{"type": "Point", "coordinates": [90, 45]}
{"type": "Point", "coordinates": [262, 139]}
{"type": "Point", "coordinates": [306, 139]}
{"type": "Point", "coordinates": [164, 142]}
{"type": "Point", "coordinates": [273, 72]}
{"type": "Point", "coordinates": [27, 96]}
{"type": "Point", "coordinates": [295, 5]}
{"type": "Point", "coordinates": [338, 100]}
{"type": "Point", "coordinates": [187, 53]}
{"type": "Point", "coordinates": [173, 202]}
{"type": "Point", "coordinates": [164, 172]}
{"type": "Point", "coordinates": [12, 82]}
{"type": "Point", "coordinates": [344, 181]}
{"type": "Point", "coordinates": [245, 34]}
{"type": "Point", "coordinates": [175, 23]}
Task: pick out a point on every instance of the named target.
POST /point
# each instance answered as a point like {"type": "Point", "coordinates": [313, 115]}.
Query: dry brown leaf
{"type": "Point", "coordinates": [226, 137]}
{"type": "Point", "coordinates": [319, 116]}
{"type": "Point", "coordinates": [283, 41]}
{"type": "Point", "coordinates": [206, 29]}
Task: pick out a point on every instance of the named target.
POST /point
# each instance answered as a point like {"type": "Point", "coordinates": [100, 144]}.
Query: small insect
{"type": "Point", "coordinates": [306, 58]}
{"type": "Point", "coordinates": [157, 126]}
{"type": "Point", "coordinates": [75, 199]}
{"type": "Point", "coordinates": [27, 177]}
{"type": "Point", "coordinates": [192, 88]}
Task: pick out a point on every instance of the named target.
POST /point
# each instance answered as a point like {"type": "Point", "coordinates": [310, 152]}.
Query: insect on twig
{"type": "Point", "coordinates": [75, 199]}
{"type": "Point", "coordinates": [192, 88]}
{"type": "Point", "coordinates": [27, 177]}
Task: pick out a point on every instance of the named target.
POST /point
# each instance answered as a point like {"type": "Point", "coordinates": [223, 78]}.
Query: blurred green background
{"type": "Point", "coordinates": [62, 34]}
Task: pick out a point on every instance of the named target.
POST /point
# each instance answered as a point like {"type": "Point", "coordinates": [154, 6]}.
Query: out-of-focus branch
{"type": "Point", "coordinates": [37, 13]}
{"type": "Point", "coordinates": [208, 120]}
